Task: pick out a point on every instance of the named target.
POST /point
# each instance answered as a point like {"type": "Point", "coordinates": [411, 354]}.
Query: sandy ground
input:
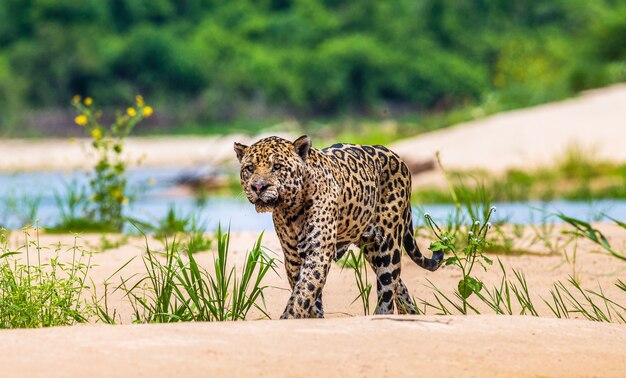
{"type": "Point", "coordinates": [346, 343]}
{"type": "Point", "coordinates": [476, 346]}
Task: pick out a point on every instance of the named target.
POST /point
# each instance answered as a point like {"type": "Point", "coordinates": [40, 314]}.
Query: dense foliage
{"type": "Point", "coordinates": [202, 61]}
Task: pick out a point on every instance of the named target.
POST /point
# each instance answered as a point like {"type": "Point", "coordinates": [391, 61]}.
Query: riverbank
{"type": "Point", "coordinates": [545, 258]}
{"type": "Point", "coordinates": [346, 343]}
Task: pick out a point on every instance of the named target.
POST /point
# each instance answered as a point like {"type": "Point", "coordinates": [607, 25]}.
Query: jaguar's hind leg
{"type": "Point", "coordinates": [384, 258]}
{"type": "Point", "coordinates": [404, 302]}
{"type": "Point", "coordinates": [317, 311]}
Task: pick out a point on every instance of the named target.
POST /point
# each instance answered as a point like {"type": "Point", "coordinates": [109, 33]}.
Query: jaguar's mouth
{"type": "Point", "coordinates": [266, 206]}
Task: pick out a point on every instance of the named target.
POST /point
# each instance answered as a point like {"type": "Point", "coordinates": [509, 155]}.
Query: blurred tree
{"type": "Point", "coordinates": [212, 60]}
{"type": "Point", "coordinates": [156, 60]}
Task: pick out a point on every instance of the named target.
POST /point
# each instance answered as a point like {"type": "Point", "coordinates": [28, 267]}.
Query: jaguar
{"type": "Point", "coordinates": [325, 200]}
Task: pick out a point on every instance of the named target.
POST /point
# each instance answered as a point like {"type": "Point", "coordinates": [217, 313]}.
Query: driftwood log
{"type": "Point", "coordinates": [203, 180]}
{"type": "Point", "coordinates": [421, 166]}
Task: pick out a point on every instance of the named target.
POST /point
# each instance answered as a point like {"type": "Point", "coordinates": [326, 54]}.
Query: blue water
{"type": "Point", "coordinates": [157, 198]}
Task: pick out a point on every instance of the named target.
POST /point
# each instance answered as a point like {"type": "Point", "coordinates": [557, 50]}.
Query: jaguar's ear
{"type": "Point", "coordinates": [240, 149]}
{"type": "Point", "coordinates": [302, 146]}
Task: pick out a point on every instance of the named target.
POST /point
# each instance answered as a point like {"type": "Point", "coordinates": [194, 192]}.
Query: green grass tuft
{"type": "Point", "coordinates": [178, 289]}
{"type": "Point", "coordinates": [37, 294]}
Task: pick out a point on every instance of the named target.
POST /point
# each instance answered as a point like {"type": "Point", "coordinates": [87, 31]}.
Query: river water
{"type": "Point", "coordinates": [157, 194]}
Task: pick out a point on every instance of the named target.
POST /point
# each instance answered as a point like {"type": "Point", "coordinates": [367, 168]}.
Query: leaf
{"type": "Point", "coordinates": [586, 230]}
{"type": "Point", "coordinates": [476, 285]}
{"type": "Point", "coordinates": [487, 259]}
{"type": "Point", "coordinates": [438, 246]}
{"type": "Point", "coordinates": [8, 254]}
{"type": "Point", "coordinates": [464, 290]}
{"type": "Point", "coordinates": [450, 260]}
{"type": "Point", "coordinates": [621, 224]}
{"type": "Point", "coordinates": [469, 285]}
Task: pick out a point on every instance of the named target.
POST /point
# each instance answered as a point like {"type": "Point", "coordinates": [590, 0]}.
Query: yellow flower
{"type": "Point", "coordinates": [139, 100]}
{"type": "Point", "coordinates": [75, 99]}
{"type": "Point", "coordinates": [73, 140]}
{"type": "Point", "coordinates": [125, 200]}
{"type": "Point", "coordinates": [131, 112]}
{"type": "Point", "coordinates": [147, 111]}
{"type": "Point", "coordinates": [96, 134]}
{"type": "Point", "coordinates": [117, 194]}
{"type": "Point", "coordinates": [88, 101]}
{"type": "Point", "coordinates": [81, 120]}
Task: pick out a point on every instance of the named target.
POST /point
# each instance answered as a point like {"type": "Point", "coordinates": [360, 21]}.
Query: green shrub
{"type": "Point", "coordinates": [35, 294]}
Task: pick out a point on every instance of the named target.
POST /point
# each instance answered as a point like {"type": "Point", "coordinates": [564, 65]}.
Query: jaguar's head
{"type": "Point", "coordinates": [273, 170]}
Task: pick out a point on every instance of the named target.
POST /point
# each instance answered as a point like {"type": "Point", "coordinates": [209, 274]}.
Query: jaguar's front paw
{"type": "Point", "coordinates": [293, 313]}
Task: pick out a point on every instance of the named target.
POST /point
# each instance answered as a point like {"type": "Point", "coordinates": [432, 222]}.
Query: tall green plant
{"type": "Point", "coordinates": [179, 289]}
{"type": "Point", "coordinates": [475, 202]}
{"type": "Point", "coordinates": [586, 230]}
{"type": "Point", "coordinates": [108, 183]}
{"type": "Point", "coordinates": [42, 294]}
{"type": "Point", "coordinates": [356, 262]}
{"type": "Point", "coordinates": [466, 257]}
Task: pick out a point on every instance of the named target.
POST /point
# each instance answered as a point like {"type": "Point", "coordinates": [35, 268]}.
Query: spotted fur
{"type": "Point", "coordinates": [323, 201]}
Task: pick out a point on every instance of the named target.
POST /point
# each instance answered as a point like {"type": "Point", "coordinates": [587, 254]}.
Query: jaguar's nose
{"type": "Point", "coordinates": [259, 186]}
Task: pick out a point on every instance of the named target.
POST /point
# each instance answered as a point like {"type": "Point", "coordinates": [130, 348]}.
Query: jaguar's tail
{"type": "Point", "coordinates": [410, 245]}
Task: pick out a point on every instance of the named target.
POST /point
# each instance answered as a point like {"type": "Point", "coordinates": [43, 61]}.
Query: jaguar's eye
{"type": "Point", "coordinates": [248, 169]}
{"type": "Point", "coordinates": [276, 167]}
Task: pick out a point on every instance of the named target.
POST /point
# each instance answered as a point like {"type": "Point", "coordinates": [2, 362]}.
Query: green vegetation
{"type": "Point", "coordinates": [587, 231]}
{"type": "Point", "coordinates": [464, 258]}
{"type": "Point", "coordinates": [34, 293]}
{"type": "Point", "coordinates": [251, 63]}
{"type": "Point", "coordinates": [577, 176]}
{"type": "Point", "coordinates": [22, 206]}
{"type": "Point", "coordinates": [45, 287]}
{"type": "Point", "coordinates": [512, 295]}
{"type": "Point", "coordinates": [186, 228]}
{"type": "Point", "coordinates": [108, 242]}
{"type": "Point", "coordinates": [356, 262]}
{"type": "Point", "coordinates": [186, 231]}
{"type": "Point", "coordinates": [175, 223]}
{"type": "Point", "coordinates": [178, 289]}
{"type": "Point", "coordinates": [41, 287]}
